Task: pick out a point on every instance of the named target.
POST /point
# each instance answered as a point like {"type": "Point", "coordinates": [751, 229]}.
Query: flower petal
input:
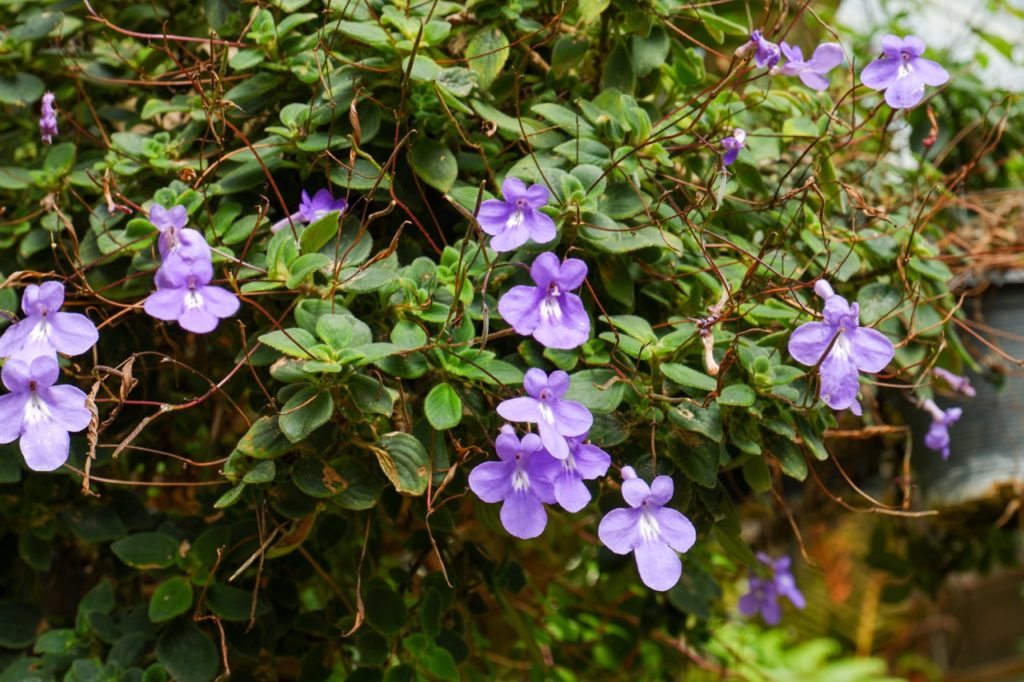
{"type": "Point", "coordinates": [572, 273]}
{"type": "Point", "coordinates": [558, 383]}
{"type": "Point", "coordinates": [165, 304]}
{"type": "Point", "coordinates": [198, 321]}
{"type": "Point", "coordinates": [219, 302]}
{"type": "Point", "coordinates": [67, 407]}
{"type": "Point", "coordinates": [491, 481]}
{"type": "Point", "coordinates": [51, 295]}
{"type": "Point", "coordinates": [661, 489]}
{"type": "Point", "coordinates": [567, 329]}
{"type": "Point", "coordinates": [554, 442]}
{"type": "Point", "coordinates": [660, 567]}
{"type": "Point", "coordinates": [16, 374]}
{"type": "Point", "coordinates": [749, 605]}
{"type": "Point", "coordinates": [44, 370]}
{"type": "Point", "coordinates": [826, 57]}
{"type": "Point", "coordinates": [73, 333]}
{"type": "Point", "coordinates": [523, 515]}
{"type": "Point", "coordinates": [44, 445]}
{"type": "Point", "coordinates": [507, 446]}
{"type": "Point", "coordinates": [572, 418]}
{"type": "Point", "coordinates": [813, 80]}
{"type": "Point", "coordinates": [571, 492]}
{"type": "Point", "coordinates": [545, 269]}
{"type": "Point", "coordinates": [930, 73]}
{"type": "Point", "coordinates": [535, 380]}
{"type": "Point", "coordinates": [905, 92]}
{"type": "Point", "coordinates": [520, 307]}
{"type": "Point", "coordinates": [892, 46]}
{"type": "Point", "coordinates": [913, 46]}
{"type": "Point", "coordinates": [541, 226]}
{"type": "Point", "coordinates": [493, 216]}
{"type": "Point", "coordinates": [512, 189]}
{"type": "Point", "coordinates": [537, 196]}
{"type": "Point", "coordinates": [511, 238]}
{"type": "Point", "coordinates": [523, 409]}
{"type": "Point", "coordinates": [619, 530]}
{"type": "Point", "coordinates": [12, 413]}
{"type": "Point", "coordinates": [13, 338]}
{"type": "Point", "coordinates": [839, 382]}
{"type": "Point", "coordinates": [881, 73]}
{"type": "Point", "coordinates": [676, 530]}
{"type": "Point", "coordinates": [635, 491]}
{"type": "Point", "coordinates": [870, 349]}
{"type": "Point", "coordinates": [591, 461]}
{"type": "Point", "coordinates": [809, 341]}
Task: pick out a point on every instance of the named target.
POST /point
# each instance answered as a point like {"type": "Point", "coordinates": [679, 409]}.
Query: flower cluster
{"type": "Point", "coordinates": [551, 468]}
{"type": "Point", "coordinates": [183, 292]}
{"type": "Point", "coordinates": [764, 593]}
{"type": "Point", "coordinates": [48, 118]}
{"type": "Point", "coordinates": [36, 412]}
{"type": "Point", "coordinates": [312, 209]}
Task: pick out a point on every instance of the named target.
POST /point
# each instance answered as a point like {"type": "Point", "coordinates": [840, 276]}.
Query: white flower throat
{"type": "Point", "coordinates": [520, 479]}
{"type": "Point", "coordinates": [35, 409]}
{"type": "Point", "coordinates": [550, 308]}
{"type": "Point", "coordinates": [514, 220]}
{"type": "Point", "coordinates": [193, 299]}
{"type": "Point", "coordinates": [649, 527]}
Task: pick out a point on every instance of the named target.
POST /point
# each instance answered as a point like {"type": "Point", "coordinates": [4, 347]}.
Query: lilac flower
{"type": "Point", "coordinates": [651, 531]}
{"type": "Point", "coordinates": [517, 219]}
{"type": "Point", "coordinates": [902, 72]}
{"type": "Point", "coordinates": [48, 118]}
{"type": "Point", "coordinates": [183, 294]}
{"type": "Point", "coordinates": [45, 330]}
{"type": "Point", "coordinates": [176, 240]}
{"type": "Point", "coordinates": [732, 145]}
{"type": "Point", "coordinates": [548, 311]}
{"type": "Point", "coordinates": [765, 592]}
{"type": "Point", "coordinates": [556, 419]}
{"type": "Point", "coordinates": [937, 437]}
{"type": "Point", "coordinates": [955, 381]}
{"type": "Point", "coordinates": [313, 209]}
{"type": "Point", "coordinates": [853, 349]}
{"type": "Point", "coordinates": [766, 52]}
{"type": "Point", "coordinates": [826, 57]}
{"type": "Point", "coordinates": [585, 462]}
{"type": "Point", "coordinates": [39, 413]}
{"type": "Point", "coordinates": [515, 481]}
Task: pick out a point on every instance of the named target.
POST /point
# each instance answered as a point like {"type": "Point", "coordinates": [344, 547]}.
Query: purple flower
{"type": "Point", "coordinates": [48, 118]}
{"type": "Point", "coordinates": [45, 330]}
{"type": "Point", "coordinates": [183, 294]}
{"type": "Point", "coordinates": [176, 240]}
{"type": "Point", "coordinates": [313, 209]}
{"type": "Point", "coordinates": [732, 145]}
{"type": "Point", "coordinates": [766, 52]}
{"type": "Point", "coordinates": [854, 349]}
{"type": "Point", "coordinates": [515, 481]}
{"type": "Point", "coordinates": [826, 57]}
{"type": "Point", "coordinates": [39, 413]}
{"type": "Point", "coordinates": [902, 72]}
{"type": "Point", "coordinates": [651, 531]}
{"type": "Point", "coordinates": [516, 219]}
{"type": "Point", "coordinates": [764, 593]}
{"type": "Point", "coordinates": [937, 437]}
{"type": "Point", "coordinates": [548, 311]}
{"type": "Point", "coordinates": [556, 419]}
{"type": "Point", "coordinates": [585, 462]}
{"type": "Point", "coordinates": [955, 381]}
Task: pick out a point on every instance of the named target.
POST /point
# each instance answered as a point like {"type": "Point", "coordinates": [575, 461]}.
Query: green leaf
{"type": "Point", "coordinates": [20, 89]}
{"type": "Point", "coordinates": [876, 300]}
{"type": "Point", "coordinates": [365, 32]}
{"type": "Point", "coordinates": [405, 462]}
{"type": "Point", "coordinates": [592, 9]}
{"type": "Point", "coordinates": [261, 472]}
{"type": "Point", "coordinates": [739, 395]}
{"type": "Point", "coordinates": [187, 652]}
{"type": "Point", "coordinates": [172, 598]}
{"type": "Point", "coordinates": [18, 624]}
{"type": "Point", "coordinates": [790, 457]}
{"type": "Point", "coordinates": [385, 609]}
{"type": "Point", "coordinates": [755, 472]}
{"type": "Point", "coordinates": [434, 163]}
{"type": "Point", "coordinates": [306, 411]}
{"type": "Point", "coordinates": [317, 478]}
{"type": "Point", "coordinates": [687, 376]}
{"type": "Point", "coordinates": [264, 439]}
{"type": "Point", "coordinates": [295, 342]}
{"type": "Point", "coordinates": [568, 120]}
{"type": "Point", "coordinates": [146, 550]}
{"type": "Point", "coordinates": [595, 389]}
{"type": "Point", "coordinates": [443, 407]}
{"type": "Point", "coordinates": [319, 233]}
{"type": "Point", "coordinates": [486, 53]}
{"type": "Point", "coordinates": [230, 497]}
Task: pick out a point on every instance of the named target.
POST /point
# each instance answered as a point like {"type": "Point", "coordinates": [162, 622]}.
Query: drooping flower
{"type": "Point", "coordinates": [549, 311]}
{"type": "Point", "coordinates": [585, 462]}
{"type": "Point", "coordinates": [556, 419]}
{"type": "Point", "coordinates": [732, 145]}
{"type": "Point", "coordinates": [937, 437]}
{"type": "Point", "coordinates": [184, 295]}
{"type": "Point", "coordinates": [764, 593]}
{"type": "Point", "coordinates": [517, 218]}
{"type": "Point", "coordinates": [515, 481]}
{"type": "Point", "coordinates": [312, 209]}
{"type": "Point", "coordinates": [176, 240]}
{"type": "Point", "coordinates": [766, 53]}
{"type": "Point", "coordinates": [826, 57]}
{"type": "Point", "coordinates": [902, 72]}
{"type": "Point", "coordinates": [39, 413]}
{"type": "Point", "coordinates": [45, 330]}
{"type": "Point", "coordinates": [653, 532]}
{"type": "Point", "coordinates": [841, 348]}
{"type": "Point", "coordinates": [955, 381]}
{"type": "Point", "coordinates": [48, 118]}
